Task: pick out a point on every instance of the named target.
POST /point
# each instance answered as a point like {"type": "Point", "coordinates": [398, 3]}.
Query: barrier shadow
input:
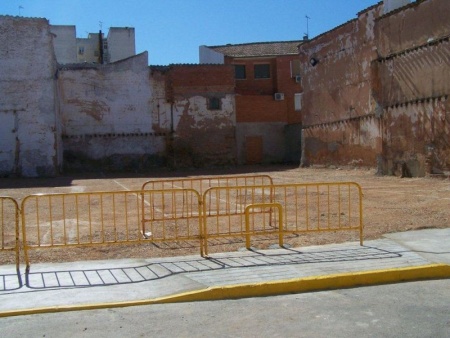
{"type": "Point", "coordinates": [10, 281]}
{"type": "Point", "coordinates": [82, 278]}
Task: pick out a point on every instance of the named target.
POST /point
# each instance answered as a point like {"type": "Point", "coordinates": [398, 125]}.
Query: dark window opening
{"type": "Point", "coordinates": [262, 71]}
{"type": "Point", "coordinates": [239, 72]}
{"type": "Point", "coordinates": [214, 103]}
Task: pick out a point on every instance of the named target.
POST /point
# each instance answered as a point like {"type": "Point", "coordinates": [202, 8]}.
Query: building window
{"type": "Point", "coordinates": [298, 97]}
{"type": "Point", "coordinates": [214, 103]}
{"type": "Point", "coordinates": [239, 72]}
{"type": "Point", "coordinates": [262, 71]}
{"type": "Point", "coordinates": [81, 50]}
{"type": "Point", "coordinates": [295, 68]}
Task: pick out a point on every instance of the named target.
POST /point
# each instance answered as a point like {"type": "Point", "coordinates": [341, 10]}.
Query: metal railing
{"type": "Point", "coordinates": [201, 184]}
{"type": "Point", "coordinates": [9, 227]}
{"type": "Point", "coordinates": [106, 218]}
{"type": "Point", "coordinates": [172, 211]}
{"type": "Point", "coordinates": [312, 207]}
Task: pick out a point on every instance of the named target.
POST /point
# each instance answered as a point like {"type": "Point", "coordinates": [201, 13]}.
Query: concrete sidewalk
{"type": "Point", "coordinates": [55, 287]}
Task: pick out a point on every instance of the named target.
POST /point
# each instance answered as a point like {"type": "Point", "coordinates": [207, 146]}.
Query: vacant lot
{"type": "Point", "coordinates": [390, 204]}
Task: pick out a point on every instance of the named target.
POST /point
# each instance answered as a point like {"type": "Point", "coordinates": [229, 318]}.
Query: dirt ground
{"type": "Point", "coordinates": [390, 204]}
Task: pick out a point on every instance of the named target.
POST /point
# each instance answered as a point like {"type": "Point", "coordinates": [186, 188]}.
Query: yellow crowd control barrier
{"type": "Point", "coordinates": [99, 218]}
{"type": "Point", "coordinates": [308, 207]}
{"type": "Point", "coordinates": [251, 230]}
{"type": "Point", "coordinates": [9, 226]}
{"type": "Point", "coordinates": [201, 184]}
{"type": "Point", "coordinates": [174, 210]}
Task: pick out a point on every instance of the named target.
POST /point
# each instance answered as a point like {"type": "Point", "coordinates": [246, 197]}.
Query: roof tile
{"type": "Point", "coordinates": [259, 48]}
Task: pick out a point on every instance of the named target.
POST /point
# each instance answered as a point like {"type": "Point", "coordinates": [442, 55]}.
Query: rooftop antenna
{"type": "Point", "coordinates": [100, 24]}
{"type": "Point", "coordinates": [306, 37]}
{"type": "Point", "coordinates": [20, 7]}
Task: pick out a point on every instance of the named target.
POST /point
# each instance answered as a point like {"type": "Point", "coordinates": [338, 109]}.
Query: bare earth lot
{"type": "Point", "coordinates": [390, 204]}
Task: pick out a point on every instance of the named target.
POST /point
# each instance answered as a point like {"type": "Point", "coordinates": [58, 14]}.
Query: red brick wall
{"type": "Point", "coordinates": [250, 85]}
{"type": "Point", "coordinates": [255, 97]}
{"type": "Point", "coordinates": [260, 108]}
{"type": "Point", "coordinates": [287, 85]}
{"type": "Point", "coordinates": [202, 137]}
{"type": "Point", "coordinates": [188, 80]}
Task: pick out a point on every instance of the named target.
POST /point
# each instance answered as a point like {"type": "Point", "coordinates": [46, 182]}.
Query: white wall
{"type": "Point", "coordinates": [207, 55]}
{"type": "Point", "coordinates": [30, 144]}
{"type": "Point", "coordinates": [106, 109]}
{"type": "Point", "coordinates": [65, 43]}
{"type": "Point", "coordinates": [121, 43]}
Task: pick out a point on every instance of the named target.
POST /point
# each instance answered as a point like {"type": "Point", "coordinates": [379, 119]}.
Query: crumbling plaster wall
{"type": "Point", "coordinates": [412, 80]}
{"type": "Point", "coordinates": [196, 134]}
{"type": "Point", "coordinates": [337, 98]}
{"type": "Point", "coordinates": [421, 22]}
{"type": "Point", "coordinates": [30, 144]}
{"type": "Point", "coordinates": [106, 114]}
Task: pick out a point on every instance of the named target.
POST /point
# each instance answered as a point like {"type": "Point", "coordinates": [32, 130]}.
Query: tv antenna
{"type": "Point", "coordinates": [307, 26]}
{"type": "Point", "coordinates": [20, 8]}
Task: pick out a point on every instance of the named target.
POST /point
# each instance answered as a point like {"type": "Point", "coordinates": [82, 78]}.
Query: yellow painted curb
{"type": "Point", "coordinates": [296, 285]}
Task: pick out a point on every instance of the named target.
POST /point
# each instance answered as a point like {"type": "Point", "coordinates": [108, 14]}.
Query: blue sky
{"type": "Point", "coordinates": [172, 30]}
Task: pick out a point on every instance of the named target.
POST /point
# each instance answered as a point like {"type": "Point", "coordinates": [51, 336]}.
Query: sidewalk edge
{"type": "Point", "coordinates": [296, 285]}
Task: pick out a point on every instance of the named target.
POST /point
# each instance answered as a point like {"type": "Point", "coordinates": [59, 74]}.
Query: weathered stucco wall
{"type": "Point", "coordinates": [413, 75]}
{"type": "Point", "coordinates": [337, 98]}
{"type": "Point", "coordinates": [411, 26]}
{"type": "Point", "coordinates": [29, 141]}
{"type": "Point", "coordinates": [350, 142]}
{"type": "Point", "coordinates": [412, 84]}
{"type": "Point", "coordinates": [197, 135]}
{"type": "Point", "coordinates": [378, 92]}
{"type": "Point", "coordinates": [416, 138]}
{"type": "Point", "coordinates": [106, 115]}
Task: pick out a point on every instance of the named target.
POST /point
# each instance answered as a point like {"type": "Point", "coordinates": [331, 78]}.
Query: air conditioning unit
{"type": "Point", "coordinates": [279, 96]}
{"type": "Point", "coordinates": [298, 79]}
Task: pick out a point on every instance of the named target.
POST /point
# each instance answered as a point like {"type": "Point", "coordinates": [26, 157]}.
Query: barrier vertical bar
{"type": "Point", "coordinates": [263, 205]}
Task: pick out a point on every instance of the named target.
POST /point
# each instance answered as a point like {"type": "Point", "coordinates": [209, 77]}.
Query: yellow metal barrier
{"type": "Point", "coordinates": [9, 227]}
{"type": "Point", "coordinates": [177, 213]}
{"type": "Point", "coordinates": [254, 230]}
{"type": "Point", "coordinates": [99, 218]}
{"type": "Point", "coordinates": [201, 184]}
{"type": "Point", "coordinates": [312, 207]}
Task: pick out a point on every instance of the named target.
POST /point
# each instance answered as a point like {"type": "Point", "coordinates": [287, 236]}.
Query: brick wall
{"type": "Point", "coordinates": [412, 84]}
{"type": "Point", "coordinates": [199, 135]}
{"type": "Point", "coordinates": [338, 107]}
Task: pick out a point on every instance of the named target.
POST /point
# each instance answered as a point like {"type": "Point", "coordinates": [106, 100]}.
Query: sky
{"type": "Point", "coordinates": [172, 30]}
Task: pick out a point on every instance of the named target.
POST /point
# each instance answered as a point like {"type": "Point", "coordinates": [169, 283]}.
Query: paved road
{"type": "Point", "coordinates": [416, 309]}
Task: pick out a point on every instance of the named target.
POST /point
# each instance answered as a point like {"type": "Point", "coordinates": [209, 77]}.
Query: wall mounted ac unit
{"type": "Point", "coordinates": [279, 96]}
{"type": "Point", "coordinates": [298, 78]}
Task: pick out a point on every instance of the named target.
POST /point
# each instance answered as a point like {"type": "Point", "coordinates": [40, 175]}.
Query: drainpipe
{"type": "Point", "coordinates": [100, 42]}
{"type": "Point", "coordinates": [171, 136]}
